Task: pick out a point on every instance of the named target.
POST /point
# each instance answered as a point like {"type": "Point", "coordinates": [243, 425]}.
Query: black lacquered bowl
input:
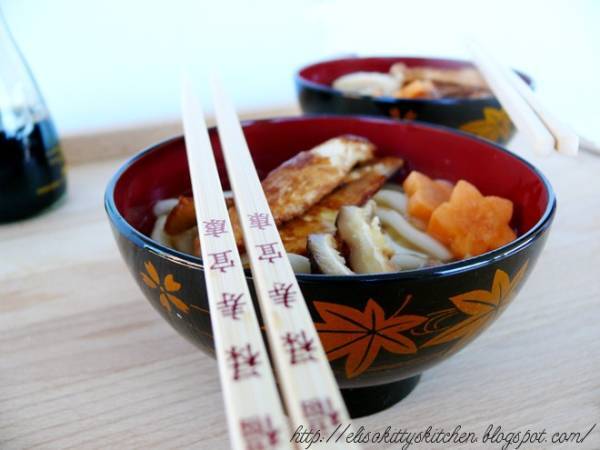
{"type": "Point", "coordinates": [380, 331]}
{"type": "Point", "coordinates": [483, 117]}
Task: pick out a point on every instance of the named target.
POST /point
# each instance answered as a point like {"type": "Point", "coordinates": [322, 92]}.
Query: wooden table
{"type": "Point", "coordinates": [85, 363]}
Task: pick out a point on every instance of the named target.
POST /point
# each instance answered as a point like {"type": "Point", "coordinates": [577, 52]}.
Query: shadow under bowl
{"type": "Point", "coordinates": [380, 331]}
{"type": "Point", "coordinates": [483, 117]}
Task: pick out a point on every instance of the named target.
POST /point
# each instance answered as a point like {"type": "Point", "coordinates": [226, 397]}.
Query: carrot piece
{"type": "Point", "coordinates": [425, 194]}
{"type": "Point", "coordinates": [471, 224]}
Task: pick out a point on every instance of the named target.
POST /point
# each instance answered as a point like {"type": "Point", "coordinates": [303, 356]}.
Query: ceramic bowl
{"type": "Point", "coordinates": [483, 117]}
{"type": "Point", "coordinates": [380, 331]}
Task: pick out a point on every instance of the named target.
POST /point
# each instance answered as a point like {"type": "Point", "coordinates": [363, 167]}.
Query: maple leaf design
{"type": "Point", "coordinates": [494, 126]}
{"type": "Point", "coordinates": [165, 289]}
{"type": "Point", "coordinates": [360, 335]}
{"type": "Point", "coordinates": [397, 114]}
{"type": "Point", "coordinates": [480, 305]}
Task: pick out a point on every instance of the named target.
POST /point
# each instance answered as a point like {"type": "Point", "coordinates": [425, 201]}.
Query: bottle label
{"type": "Point", "coordinates": [56, 162]}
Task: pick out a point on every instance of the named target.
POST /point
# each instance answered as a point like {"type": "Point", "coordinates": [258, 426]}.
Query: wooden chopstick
{"type": "Point", "coordinates": [567, 141]}
{"type": "Point", "coordinates": [589, 145]}
{"type": "Point", "coordinates": [524, 118]}
{"type": "Point", "coordinates": [252, 404]}
{"type": "Point", "coordinates": [309, 388]}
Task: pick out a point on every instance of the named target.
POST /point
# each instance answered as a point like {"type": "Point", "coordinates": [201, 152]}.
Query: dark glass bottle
{"type": "Point", "coordinates": [32, 169]}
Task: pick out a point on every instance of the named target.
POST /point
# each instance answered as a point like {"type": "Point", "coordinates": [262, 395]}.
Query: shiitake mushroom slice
{"type": "Point", "coordinates": [360, 231]}
{"type": "Point", "coordinates": [325, 257]}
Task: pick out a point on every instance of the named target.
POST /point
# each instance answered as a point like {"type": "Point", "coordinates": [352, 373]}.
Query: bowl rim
{"type": "Point", "coordinates": [391, 101]}
{"type": "Point", "coordinates": [439, 271]}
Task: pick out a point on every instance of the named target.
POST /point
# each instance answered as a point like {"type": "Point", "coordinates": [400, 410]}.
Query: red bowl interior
{"type": "Point", "coordinates": [161, 172]}
{"type": "Point", "coordinates": [324, 73]}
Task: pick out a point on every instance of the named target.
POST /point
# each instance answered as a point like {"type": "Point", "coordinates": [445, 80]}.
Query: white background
{"type": "Point", "coordinates": [115, 63]}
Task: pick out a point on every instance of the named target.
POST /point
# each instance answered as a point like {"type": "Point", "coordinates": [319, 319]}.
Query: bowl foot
{"type": "Point", "coordinates": [369, 400]}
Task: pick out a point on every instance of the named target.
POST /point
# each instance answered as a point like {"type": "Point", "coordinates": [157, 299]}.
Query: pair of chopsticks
{"type": "Point", "coordinates": [253, 407]}
{"type": "Point", "coordinates": [543, 130]}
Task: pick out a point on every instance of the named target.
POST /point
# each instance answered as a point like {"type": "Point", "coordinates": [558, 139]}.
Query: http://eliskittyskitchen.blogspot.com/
{"type": "Point", "coordinates": [494, 436]}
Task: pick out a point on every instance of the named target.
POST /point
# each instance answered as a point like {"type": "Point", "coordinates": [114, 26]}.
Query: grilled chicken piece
{"type": "Point", "coordinates": [303, 180]}
{"type": "Point", "coordinates": [359, 186]}
{"type": "Point", "coordinates": [183, 215]}
{"type": "Point", "coordinates": [294, 186]}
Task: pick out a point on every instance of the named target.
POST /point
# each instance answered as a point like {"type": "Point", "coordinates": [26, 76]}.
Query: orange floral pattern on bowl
{"type": "Point", "coordinates": [495, 125]}
{"type": "Point", "coordinates": [481, 306]}
{"type": "Point", "coordinates": [359, 336]}
{"type": "Point", "coordinates": [397, 114]}
{"type": "Point", "coordinates": [166, 288]}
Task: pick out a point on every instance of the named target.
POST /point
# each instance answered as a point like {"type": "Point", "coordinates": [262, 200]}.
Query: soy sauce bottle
{"type": "Point", "coordinates": [32, 169]}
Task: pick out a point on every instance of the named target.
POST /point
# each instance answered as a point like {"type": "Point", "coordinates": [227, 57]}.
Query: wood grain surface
{"type": "Point", "coordinates": [85, 363]}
